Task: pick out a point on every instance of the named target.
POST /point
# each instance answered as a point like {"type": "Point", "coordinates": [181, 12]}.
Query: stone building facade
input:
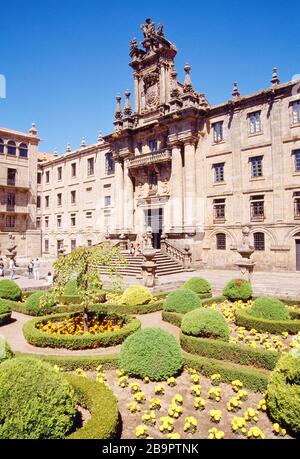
{"type": "Point", "coordinates": [196, 173]}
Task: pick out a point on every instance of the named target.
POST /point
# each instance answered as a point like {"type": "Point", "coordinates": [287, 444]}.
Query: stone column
{"type": "Point", "coordinates": [189, 187]}
{"type": "Point", "coordinates": [177, 190]}
{"type": "Point", "coordinates": [128, 200]}
{"type": "Point", "coordinates": [119, 193]}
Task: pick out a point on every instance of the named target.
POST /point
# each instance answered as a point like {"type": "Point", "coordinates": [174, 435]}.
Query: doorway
{"type": "Point", "coordinates": [297, 254]}
{"type": "Point", "coordinates": [155, 219]}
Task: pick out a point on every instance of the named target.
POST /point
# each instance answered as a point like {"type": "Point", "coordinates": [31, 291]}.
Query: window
{"type": "Point", "coordinates": [297, 205]}
{"type": "Point", "coordinates": [73, 170]}
{"type": "Point", "coordinates": [38, 223]}
{"type": "Point", "coordinates": [218, 131]}
{"type": "Point", "coordinates": [221, 241]}
{"type": "Point", "coordinates": [297, 160]}
{"type": "Point", "coordinates": [11, 148]}
{"type": "Point", "coordinates": [58, 221]}
{"type": "Point", "coordinates": [46, 245]}
{"type": "Point", "coordinates": [259, 242]}
{"type": "Point", "coordinates": [296, 112]}
{"type": "Point", "coordinates": [254, 122]}
{"type": "Point", "coordinates": [73, 220]}
{"type": "Point", "coordinates": [257, 166]}
{"type": "Point", "coordinates": [257, 208]}
{"type": "Point", "coordinates": [10, 202]}
{"type": "Point", "coordinates": [73, 197]}
{"type": "Point", "coordinates": [1, 146]}
{"type": "Point", "coordinates": [46, 201]}
{"type": "Point", "coordinates": [47, 177]}
{"type": "Point", "coordinates": [10, 221]}
{"type": "Point", "coordinates": [107, 201]}
{"type": "Point", "coordinates": [46, 222]}
{"type": "Point", "coordinates": [89, 214]}
{"type": "Point", "coordinates": [23, 150]}
{"type": "Point", "coordinates": [219, 172]}
{"type": "Point", "coordinates": [109, 164]}
{"type": "Point", "coordinates": [11, 177]}
{"type": "Point", "coordinates": [38, 202]}
{"type": "Point", "coordinates": [59, 173]}
{"type": "Point", "coordinates": [89, 243]}
{"type": "Point", "coordinates": [153, 146]}
{"type": "Point", "coordinates": [91, 168]}
{"type": "Point", "coordinates": [219, 210]}
{"type": "Point", "coordinates": [73, 244]}
{"type": "Point", "coordinates": [59, 199]}
{"type": "Point", "coordinates": [39, 178]}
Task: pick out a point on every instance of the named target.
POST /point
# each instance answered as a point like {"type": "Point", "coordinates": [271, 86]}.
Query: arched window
{"type": "Point", "coordinates": [259, 242]}
{"type": "Point", "coordinates": [221, 241]}
{"type": "Point", "coordinates": [23, 150]}
{"type": "Point", "coordinates": [1, 146]}
{"type": "Point", "coordinates": [11, 148]}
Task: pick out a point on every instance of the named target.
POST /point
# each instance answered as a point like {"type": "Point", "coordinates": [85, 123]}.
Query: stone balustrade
{"type": "Point", "coordinates": [150, 158]}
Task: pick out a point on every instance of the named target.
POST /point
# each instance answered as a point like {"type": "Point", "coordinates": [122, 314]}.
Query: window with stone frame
{"type": "Point", "coordinates": [219, 172]}
{"type": "Point", "coordinates": [11, 177]}
{"type": "Point", "coordinates": [254, 119]}
{"type": "Point", "coordinates": [73, 244]}
{"type": "Point", "coordinates": [90, 166]}
{"type": "Point", "coordinates": [89, 215]}
{"type": "Point", "coordinates": [89, 243]}
{"type": "Point", "coordinates": [46, 222]}
{"type": "Point", "coordinates": [1, 146]}
{"type": "Point", "coordinates": [109, 164]}
{"type": "Point", "coordinates": [153, 146]}
{"type": "Point", "coordinates": [47, 201]}
{"type": "Point", "coordinates": [73, 197]}
{"type": "Point", "coordinates": [46, 242]}
{"type": "Point", "coordinates": [257, 208]}
{"type": "Point", "coordinates": [296, 112]}
{"type": "Point", "coordinates": [38, 202]}
{"type": "Point", "coordinates": [58, 221]}
{"type": "Point", "coordinates": [10, 221]}
{"type": "Point", "coordinates": [38, 223]}
{"type": "Point", "coordinates": [107, 201]}
{"type": "Point", "coordinates": [73, 170]}
{"type": "Point", "coordinates": [23, 150]}
{"type": "Point", "coordinates": [297, 160]}
{"type": "Point", "coordinates": [47, 176]}
{"type": "Point", "coordinates": [256, 166]}
{"type": "Point", "coordinates": [297, 205]}
{"type": "Point", "coordinates": [73, 219]}
{"type": "Point", "coordinates": [39, 178]}
{"type": "Point", "coordinates": [218, 131]}
{"type": "Point", "coordinates": [219, 210]}
{"type": "Point", "coordinates": [221, 241]}
{"type": "Point", "coordinates": [59, 173]}
{"type": "Point", "coordinates": [259, 242]}
{"type": "Point", "coordinates": [10, 202]}
{"type": "Point", "coordinates": [11, 148]}
{"type": "Point", "coordinates": [59, 200]}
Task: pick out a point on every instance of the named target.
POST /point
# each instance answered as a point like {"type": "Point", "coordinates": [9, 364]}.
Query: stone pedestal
{"type": "Point", "coordinates": [149, 266]}
{"type": "Point", "coordinates": [245, 264]}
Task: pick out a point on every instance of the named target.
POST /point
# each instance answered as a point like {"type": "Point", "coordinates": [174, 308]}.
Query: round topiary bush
{"type": "Point", "coordinates": [32, 305]}
{"type": "Point", "coordinates": [198, 285]}
{"type": "Point", "coordinates": [5, 350]}
{"type": "Point", "coordinates": [182, 300]}
{"type": "Point", "coordinates": [269, 308]}
{"type": "Point", "coordinates": [10, 290]}
{"type": "Point", "coordinates": [206, 323]}
{"type": "Point", "coordinates": [5, 311]}
{"type": "Point", "coordinates": [283, 392]}
{"type": "Point", "coordinates": [238, 289]}
{"type": "Point", "coordinates": [36, 402]}
{"type": "Point", "coordinates": [151, 352]}
{"type": "Point", "coordinates": [136, 295]}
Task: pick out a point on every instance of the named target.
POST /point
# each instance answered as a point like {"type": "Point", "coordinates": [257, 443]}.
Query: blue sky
{"type": "Point", "coordinates": [65, 61]}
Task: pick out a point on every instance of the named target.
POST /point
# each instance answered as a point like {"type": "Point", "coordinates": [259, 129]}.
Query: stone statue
{"type": "Point", "coordinates": [165, 187]}
{"type": "Point", "coordinates": [148, 29]}
{"type": "Point", "coordinates": [160, 30]}
{"type": "Point", "coordinates": [133, 44]}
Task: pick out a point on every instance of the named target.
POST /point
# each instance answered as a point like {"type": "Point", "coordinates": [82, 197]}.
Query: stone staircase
{"type": "Point", "coordinates": [165, 265]}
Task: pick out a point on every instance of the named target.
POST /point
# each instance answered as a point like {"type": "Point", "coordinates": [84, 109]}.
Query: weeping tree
{"type": "Point", "coordinates": [84, 264]}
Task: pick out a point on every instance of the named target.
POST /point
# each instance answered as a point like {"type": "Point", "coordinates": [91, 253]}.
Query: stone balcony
{"type": "Point", "coordinates": [15, 183]}
{"type": "Point", "coordinates": [150, 158]}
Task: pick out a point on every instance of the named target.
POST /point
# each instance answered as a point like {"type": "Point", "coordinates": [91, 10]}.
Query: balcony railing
{"type": "Point", "coordinates": [150, 158]}
{"type": "Point", "coordinates": [14, 183]}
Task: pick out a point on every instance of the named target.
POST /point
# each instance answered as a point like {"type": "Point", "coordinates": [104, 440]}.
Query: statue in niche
{"type": "Point", "coordinates": [141, 190]}
{"type": "Point", "coordinates": [165, 187]}
{"type": "Point", "coordinates": [153, 183]}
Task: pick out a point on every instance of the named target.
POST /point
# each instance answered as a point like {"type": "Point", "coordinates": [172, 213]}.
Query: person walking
{"type": "Point", "coordinates": [36, 269]}
{"type": "Point", "coordinates": [11, 269]}
{"type": "Point", "coordinates": [1, 268]}
{"type": "Point", "coordinates": [30, 269]}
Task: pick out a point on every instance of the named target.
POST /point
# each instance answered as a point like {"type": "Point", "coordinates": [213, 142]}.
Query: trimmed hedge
{"type": "Point", "coordinates": [173, 318]}
{"type": "Point", "coordinates": [254, 379]}
{"type": "Point", "coordinates": [152, 352]}
{"type": "Point", "coordinates": [198, 285]}
{"type": "Point", "coordinates": [220, 350]}
{"type": "Point", "coordinates": [181, 301]}
{"type": "Point", "coordinates": [71, 363]}
{"type": "Point", "coordinates": [88, 341]}
{"type": "Point", "coordinates": [283, 393]}
{"type": "Point", "coordinates": [5, 312]}
{"type": "Point", "coordinates": [102, 404]}
{"type": "Point", "coordinates": [238, 289]}
{"type": "Point", "coordinates": [9, 290]}
{"type": "Point", "coordinates": [214, 299]}
{"type": "Point", "coordinates": [36, 402]}
{"type": "Point", "coordinates": [136, 295]}
{"type": "Point", "coordinates": [266, 307]}
{"type": "Point", "coordinates": [70, 299]}
{"type": "Point", "coordinates": [114, 308]}
{"type": "Point", "coordinates": [244, 319]}
{"type": "Point", "coordinates": [206, 323]}
{"type": "Point", "coordinates": [5, 350]}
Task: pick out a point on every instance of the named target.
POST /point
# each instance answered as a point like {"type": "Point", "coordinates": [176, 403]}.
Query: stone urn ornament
{"type": "Point", "coordinates": [245, 264]}
{"type": "Point", "coordinates": [149, 266]}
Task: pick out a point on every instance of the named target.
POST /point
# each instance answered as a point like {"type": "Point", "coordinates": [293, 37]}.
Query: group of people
{"type": "Point", "coordinates": [11, 268]}
{"type": "Point", "coordinates": [135, 249]}
{"type": "Point", "coordinates": [34, 269]}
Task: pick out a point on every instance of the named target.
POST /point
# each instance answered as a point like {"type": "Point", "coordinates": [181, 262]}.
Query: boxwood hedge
{"type": "Point", "coordinates": [5, 312]}
{"type": "Point", "coordinates": [102, 404]}
{"type": "Point", "coordinates": [244, 319]}
{"type": "Point", "coordinates": [220, 350]}
{"type": "Point", "coordinates": [10, 290]}
{"type": "Point", "coordinates": [173, 318]}
{"type": "Point", "coordinates": [181, 301]}
{"type": "Point", "coordinates": [87, 341]}
{"type": "Point", "coordinates": [206, 323]}
{"type": "Point", "coordinates": [198, 285]}
{"type": "Point", "coordinates": [5, 350]}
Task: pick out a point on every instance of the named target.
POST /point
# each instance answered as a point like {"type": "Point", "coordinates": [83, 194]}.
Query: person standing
{"type": "Point", "coordinates": [36, 269]}
{"type": "Point", "coordinates": [1, 268]}
{"type": "Point", "coordinates": [30, 269]}
{"type": "Point", "coordinates": [49, 279]}
{"type": "Point", "coordinates": [11, 269]}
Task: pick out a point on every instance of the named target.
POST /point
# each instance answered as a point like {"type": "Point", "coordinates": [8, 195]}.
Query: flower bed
{"type": "Point", "coordinates": [102, 404]}
{"type": "Point", "coordinates": [39, 338]}
{"type": "Point", "coordinates": [244, 319]}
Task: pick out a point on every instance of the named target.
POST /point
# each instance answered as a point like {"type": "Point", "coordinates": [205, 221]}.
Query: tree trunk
{"type": "Point", "coordinates": [86, 311]}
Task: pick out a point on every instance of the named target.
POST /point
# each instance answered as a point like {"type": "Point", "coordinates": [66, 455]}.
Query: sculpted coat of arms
{"type": "Point", "coordinates": [151, 89]}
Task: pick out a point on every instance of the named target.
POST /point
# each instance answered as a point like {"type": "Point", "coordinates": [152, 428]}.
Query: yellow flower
{"type": "Point", "coordinates": [199, 403]}
{"type": "Point", "coordinates": [140, 397]}
{"type": "Point", "coordinates": [134, 407]}
{"type": "Point", "coordinates": [195, 378]}
{"type": "Point", "coordinates": [215, 415]}
{"type": "Point", "coordinates": [134, 387]}
{"type": "Point", "coordinates": [177, 399]}
{"type": "Point", "coordinates": [190, 425]}
{"type": "Point", "coordinates": [196, 390]}
{"type": "Point", "coordinates": [155, 404]}
{"type": "Point", "coordinates": [146, 380]}
{"type": "Point", "coordinates": [171, 381]}
{"type": "Point", "coordinates": [255, 432]}
{"type": "Point", "coordinates": [174, 436]}
{"type": "Point", "coordinates": [215, 434]}
{"type": "Point", "coordinates": [149, 417]}
{"type": "Point", "coordinates": [159, 389]}
{"type": "Point", "coordinates": [141, 431]}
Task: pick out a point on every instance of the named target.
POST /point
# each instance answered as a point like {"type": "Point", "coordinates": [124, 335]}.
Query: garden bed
{"type": "Point", "coordinates": [86, 341]}
{"type": "Point", "coordinates": [244, 319]}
